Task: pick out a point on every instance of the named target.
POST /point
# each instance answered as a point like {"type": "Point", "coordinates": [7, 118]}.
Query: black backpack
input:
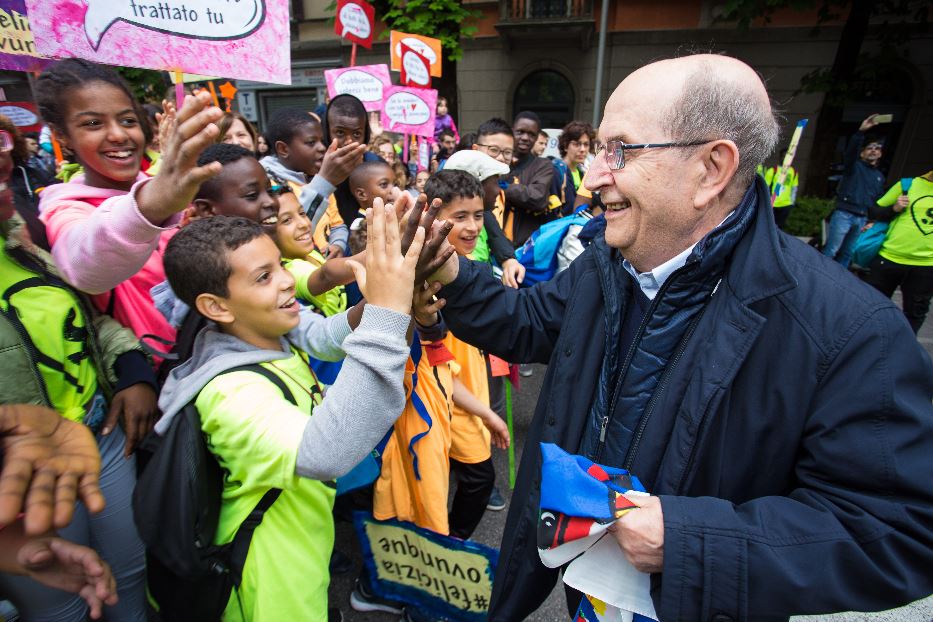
{"type": "Point", "coordinates": [176, 506]}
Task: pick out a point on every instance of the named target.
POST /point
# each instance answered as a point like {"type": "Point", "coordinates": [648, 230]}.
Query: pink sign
{"type": "Point", "coordinates": [365, 82]}
{"type": "Point", "coordinates": [246, 39]}
{"type": "Point", "coordinates": [17, 48]}
{"type": "Point", "coordinates": [407, 110]}
{"type": "Point", "coordinates": [424, 154]}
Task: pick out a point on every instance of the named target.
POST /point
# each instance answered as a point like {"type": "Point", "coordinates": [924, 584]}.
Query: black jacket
{"type": "Point", "coordinates": [790, 444]}
{"type": "Point", "coordinates": [527, 199]}
{"type": "Point", "coordinates": [862, 184]}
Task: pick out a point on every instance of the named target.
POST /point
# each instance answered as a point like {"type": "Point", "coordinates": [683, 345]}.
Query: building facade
{"type": "Point", "coordinates": [541, 55]}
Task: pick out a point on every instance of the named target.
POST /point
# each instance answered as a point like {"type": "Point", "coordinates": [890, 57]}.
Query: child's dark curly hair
{"type": "Point", "coordinates": [53, 85]}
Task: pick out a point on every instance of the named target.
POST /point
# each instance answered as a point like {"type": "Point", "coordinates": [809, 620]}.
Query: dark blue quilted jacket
{"type": "Point", "coordinates": [790, 447]}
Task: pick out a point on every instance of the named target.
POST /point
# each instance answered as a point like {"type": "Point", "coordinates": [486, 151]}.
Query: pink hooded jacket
{"type": "Point", "coordinates": [104, 246]}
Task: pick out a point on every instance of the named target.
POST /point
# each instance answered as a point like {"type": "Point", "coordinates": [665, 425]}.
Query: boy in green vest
{"type": "Point", "coordinates": [230, 271]}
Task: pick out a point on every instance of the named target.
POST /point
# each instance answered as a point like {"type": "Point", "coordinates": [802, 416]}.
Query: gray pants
{"type": "Point", "coordinates": [111, 533]}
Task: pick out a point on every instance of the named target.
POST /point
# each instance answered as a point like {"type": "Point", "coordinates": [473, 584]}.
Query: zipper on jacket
{"type": "Point", "coordinates": [602, 429]}
{"type": "Point", "coordinates": [630, 457]}
{"type": "Point", "coordinates": [620, 377]}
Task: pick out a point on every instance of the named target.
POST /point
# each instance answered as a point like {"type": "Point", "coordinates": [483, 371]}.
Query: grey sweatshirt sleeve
{"type": "Point", "coordinates": [321, 337]}
{"type": "Point", "coordinates": [340, 235]}
{"type": "Point", "coordinates": [314, 198]}
{"type": "Point", "coordinates": [363, 403]}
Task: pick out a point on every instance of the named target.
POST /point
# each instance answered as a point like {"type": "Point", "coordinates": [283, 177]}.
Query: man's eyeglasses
{"type": "Point", "coordinates": [577, 144]}
{"type": "Point", "coordinates": [6, 141]}
{"type": "Point", "coordinates": [615, 150]}
{"type": "Point", "coordinates": [495, 151]}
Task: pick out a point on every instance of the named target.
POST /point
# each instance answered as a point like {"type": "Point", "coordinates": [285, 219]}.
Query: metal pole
{"type": "Point", "coordinates": [600, 62]}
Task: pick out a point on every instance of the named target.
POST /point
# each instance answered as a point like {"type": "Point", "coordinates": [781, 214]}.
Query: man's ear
{"type": "Point", "coordinates": [214, 308]}
{"type": "Point", "coordinates": [203, 208]}
{"type": "Point", "coordinates": [281, 149]}
{"type": "Point", "coordinates": [719, 162]}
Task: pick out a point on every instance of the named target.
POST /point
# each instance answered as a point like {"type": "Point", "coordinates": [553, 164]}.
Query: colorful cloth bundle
{"type": "Point", "coordinates": [579, 501]}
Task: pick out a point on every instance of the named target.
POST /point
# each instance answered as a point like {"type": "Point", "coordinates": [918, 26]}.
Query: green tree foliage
{"type": "Point", "coordinates": [447, 20]}
{"type": "Point", "coordinates": [899, 18]}
{"type": "Point", "coordinates": [892, 23]}
{"type": "Point", "coordinates": [147, 85]}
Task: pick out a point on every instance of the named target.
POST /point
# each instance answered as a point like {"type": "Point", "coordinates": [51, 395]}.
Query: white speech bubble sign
{"type": "Point", "coordinates": [406, 108]}
{"type": "Point", "coordinates": [364, 86]}
{"type": "Point", "coordinates": [21, 117]}
{"type": "Point", "coordinates": [415, 69]}
{"type": "Point", "coordinates": [192, 19]}
{"type": "Point", "coordinates": [419, 46]}
{"type": "Point", "coordinates": [354, 21]}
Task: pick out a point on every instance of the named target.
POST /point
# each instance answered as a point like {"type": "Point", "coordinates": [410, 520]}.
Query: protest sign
{"type": "Point", "coordinates": [237, 39]}
{"type": "Point", "coordinates": [366, 83]}
{"type": "Point", "coordinates": [189, 77]}
{"type": "Point", "coordinates": [426, 46]}
{"type": "Point", "coordinates": [17, 47]}
{"type": "Point", "coordinates": [447, 577]}
{"type": "Point", "coordinates": [424, 155]}
{"type": "Point", "coordinates": [788, 159]}
{"type": "Point", "coordinates": [416, 68]}
{"type": "Point", "coordinates": [354, 22]}
{"type": "Point", "coordinates": [23, 115]}
{"type": "Point", "coordinates": [409, 111]}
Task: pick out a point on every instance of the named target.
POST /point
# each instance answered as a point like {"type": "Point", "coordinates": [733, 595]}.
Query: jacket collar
{"type": "Point", "coordinates": [757, 269]}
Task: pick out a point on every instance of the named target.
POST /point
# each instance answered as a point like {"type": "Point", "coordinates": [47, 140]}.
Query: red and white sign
{"type": "Point", "coordinates": [428, 47]}
{"type": "Point", "coordinates": [23, 115]}
{"type": "Point", "coordinates": [416, 68]}
{"type": "Point", "coordinates": [355, 21]}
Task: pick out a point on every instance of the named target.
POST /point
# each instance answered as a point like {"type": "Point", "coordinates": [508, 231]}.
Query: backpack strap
{"type": "Point", "coordinates": [269, 375]}
{"type": "Point", "coordinates": [244, 535]}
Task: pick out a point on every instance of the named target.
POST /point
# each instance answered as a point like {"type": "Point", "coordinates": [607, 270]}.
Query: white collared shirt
{"type": "Point", "coordinates": [652, 281]}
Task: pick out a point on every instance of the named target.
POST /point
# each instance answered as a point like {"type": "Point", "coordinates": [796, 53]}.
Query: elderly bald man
{"type": "Point", "coordinates": [778, 409]}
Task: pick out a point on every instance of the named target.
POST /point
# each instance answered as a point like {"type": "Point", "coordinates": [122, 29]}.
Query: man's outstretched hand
{"type": "Point", "coordinates": [48, 463]}
{"type": "Point", "coordinates": [437, 252]}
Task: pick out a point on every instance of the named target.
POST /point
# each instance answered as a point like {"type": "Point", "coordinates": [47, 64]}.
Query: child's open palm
{"type": "Point", "coordinates": [388, 277]}
{"type": "Point", "coordinates": [186, 134]}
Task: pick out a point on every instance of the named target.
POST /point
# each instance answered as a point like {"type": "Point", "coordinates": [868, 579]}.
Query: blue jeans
{"type": "Point", "coordinates": [841, 234]}
{"type": "Point", "coordinates": [112, 533]}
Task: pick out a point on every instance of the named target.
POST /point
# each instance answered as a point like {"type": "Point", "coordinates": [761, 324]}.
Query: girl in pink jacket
{"type": "Point", "coordinates": [108, 227]}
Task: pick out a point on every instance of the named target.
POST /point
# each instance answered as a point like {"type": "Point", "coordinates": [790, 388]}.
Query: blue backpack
{"type": "Point", "coordinates": [870, 240]}
{"type": "Point", "coordinates": [539, 253]}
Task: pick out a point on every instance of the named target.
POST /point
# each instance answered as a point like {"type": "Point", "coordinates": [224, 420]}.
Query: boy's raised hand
{"type": "Point", "coordinates": [339, 162]}
{"type": "Point", "coordinates": [393, 274]}
{"type": "Point", "coordinates": [425, 305]}
{"type": "Point", "coordinates": [436, 251]}
{"type": "Point", "coordinates": [179, 178]}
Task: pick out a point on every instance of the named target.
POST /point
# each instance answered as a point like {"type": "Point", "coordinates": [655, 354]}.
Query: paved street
{"type": "Point", "coordinates": [554, 610]}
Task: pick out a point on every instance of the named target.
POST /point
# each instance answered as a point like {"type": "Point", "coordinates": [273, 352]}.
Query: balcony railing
{"type": "Point", "coordinates": [545, 10]}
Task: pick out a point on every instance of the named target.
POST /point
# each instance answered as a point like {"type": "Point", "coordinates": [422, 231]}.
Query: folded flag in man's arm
{"type": "Point", "coordinates": [579, 501]}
